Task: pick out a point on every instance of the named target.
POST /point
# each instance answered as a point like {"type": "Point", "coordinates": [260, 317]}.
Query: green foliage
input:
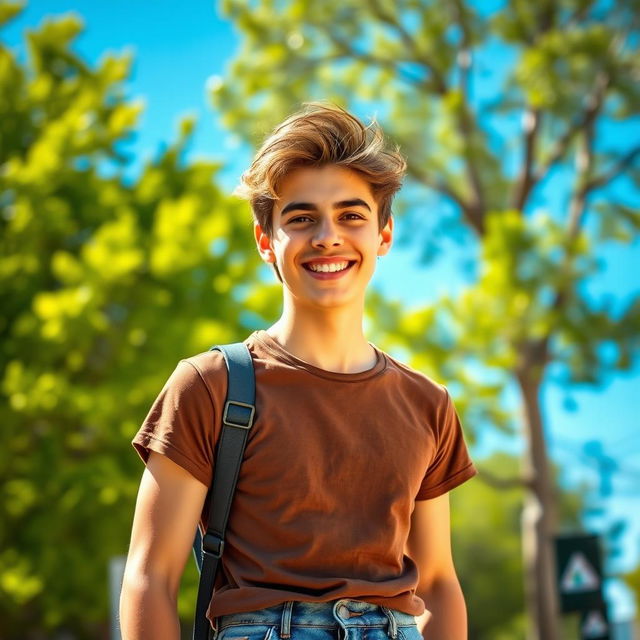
{"type": "Point", "coordinates": [485, 525]}
{"type": "Point", "coordinates": [107, 282]}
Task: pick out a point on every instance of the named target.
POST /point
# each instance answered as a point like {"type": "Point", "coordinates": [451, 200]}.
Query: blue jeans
{"type": "Point", "coordinates": [338, 620]}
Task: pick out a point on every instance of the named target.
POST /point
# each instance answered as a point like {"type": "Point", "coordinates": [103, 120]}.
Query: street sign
{"type": "Point", "coordinates": [579, 573]}
{"type": "Point", "coordinates": [594, 624]}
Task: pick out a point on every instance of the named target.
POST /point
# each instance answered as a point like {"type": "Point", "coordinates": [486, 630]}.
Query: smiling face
{"type": "Point", "coordinates": [325, 238]}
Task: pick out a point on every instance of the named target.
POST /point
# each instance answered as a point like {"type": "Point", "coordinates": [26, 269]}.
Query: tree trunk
{"type": "Point", "coordinates": [538, 520]}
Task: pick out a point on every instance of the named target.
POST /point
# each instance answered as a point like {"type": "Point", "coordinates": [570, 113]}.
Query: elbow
{"type": "Point", "coordinates": [141, 588]}
{"type": "Point", "coordinates": [143, 573]}
{"type": "Point", "coordinates": [145, 601]}
{"type": "Point", "coordinates": [433, 579]}
{"type": "Point", "coordinates": [434, 587]}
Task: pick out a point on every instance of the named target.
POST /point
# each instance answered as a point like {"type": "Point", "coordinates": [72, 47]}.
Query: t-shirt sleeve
{"type": "Point", "coordinates": [451, 464]}
{"type": "Point", "coordinates": [180, 423]}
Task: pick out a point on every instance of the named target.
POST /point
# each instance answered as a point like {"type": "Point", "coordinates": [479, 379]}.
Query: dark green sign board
{"type": "Point", "coordinates": [594, 624]}
{"type": "Point", "coordinates": [579, 573]}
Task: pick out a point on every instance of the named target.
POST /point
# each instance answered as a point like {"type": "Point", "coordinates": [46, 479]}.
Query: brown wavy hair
{"type": "Point", "coordinates": [322, 134]}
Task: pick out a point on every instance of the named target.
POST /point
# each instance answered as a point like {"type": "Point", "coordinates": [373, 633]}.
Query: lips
{"type": "Point", "coordinates": [328, 260]}
{"type": "Point", "coordinates": [333, 266]}
{"type": "Point", "coordinates": [328, 275]}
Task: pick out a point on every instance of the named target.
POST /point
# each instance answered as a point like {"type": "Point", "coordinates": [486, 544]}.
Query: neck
{"type": "Point", "coordinates": [330, 339]}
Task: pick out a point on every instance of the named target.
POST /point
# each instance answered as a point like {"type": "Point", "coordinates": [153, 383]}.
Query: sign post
{"type": "Point", "coordinates": [116, 572]}
{"type": "Point", "coordinates": [580, 584]}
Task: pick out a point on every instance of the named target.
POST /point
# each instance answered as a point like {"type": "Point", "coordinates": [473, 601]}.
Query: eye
{"type": "Point", "coordinates": [299, 219]}
{"type": "Point", "coordinates": [356, 216]}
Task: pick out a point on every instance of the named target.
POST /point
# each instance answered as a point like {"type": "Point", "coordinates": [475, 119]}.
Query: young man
{"type": "Point", "coordinates": [340, 520]}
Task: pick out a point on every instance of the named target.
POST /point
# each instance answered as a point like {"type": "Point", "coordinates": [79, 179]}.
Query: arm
{"type": "Point", "coordinates": [169, 504]}
{"type": "Point", "coordinates": [429, 545]}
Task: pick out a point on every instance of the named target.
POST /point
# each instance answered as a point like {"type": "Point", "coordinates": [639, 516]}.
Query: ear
{"type": "Point", "coordinates": [386, 237]}
{"type": "Point", "coordinates": [263, 242]}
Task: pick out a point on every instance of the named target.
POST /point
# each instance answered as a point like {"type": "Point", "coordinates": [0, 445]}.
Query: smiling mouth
{"type": "Point", "coordinates": [329, 267]}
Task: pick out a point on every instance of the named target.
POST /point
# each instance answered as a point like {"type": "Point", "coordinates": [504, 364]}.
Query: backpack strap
{"type": "Point", "coordinates": [237, 419]}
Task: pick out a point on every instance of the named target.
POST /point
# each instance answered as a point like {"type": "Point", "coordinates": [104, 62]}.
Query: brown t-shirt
{"type": "Point", "coordinates": [332, 467]}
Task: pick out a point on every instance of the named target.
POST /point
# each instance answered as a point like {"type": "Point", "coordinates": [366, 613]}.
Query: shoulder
{"type": "Point", "coordinates": [206, 363]}
{"type": "Point", "coordinates": [412, 381]}
{"type": "Point", "coordinates": [207, 369]}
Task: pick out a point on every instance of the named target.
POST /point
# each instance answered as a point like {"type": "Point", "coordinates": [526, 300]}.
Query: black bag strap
{"type": "Point", "coordinates": [237, 419]}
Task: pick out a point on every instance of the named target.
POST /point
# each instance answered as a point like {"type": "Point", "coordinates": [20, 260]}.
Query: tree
{"type": "Point", "coordinates": [493, 161]}
{"type": "Point", "coordinates": [107, 281]}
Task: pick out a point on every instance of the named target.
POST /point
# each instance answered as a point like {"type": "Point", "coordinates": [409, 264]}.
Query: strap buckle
{"type": "Point", "coordinates": [213, 545]}
{"type": "Point", "coordinates": [239, 420]}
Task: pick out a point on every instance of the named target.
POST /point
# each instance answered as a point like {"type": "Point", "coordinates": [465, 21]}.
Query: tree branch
{"type": "Point", "coordinates": [537, 351]}
{"type": "Point", "coordinates": [439, 84]}
{"type": "Point", "coordinates": [464, 57]}
{"type": "Point", "coordinates": [526, 181]}
{"type": "Point", "coordinates": [467, 127]}
{"type": "Point", "coordinates": [618, 169]}
{"type": "Point", "coordinates": [347, 50]}
{"type": "Point", "coordinates": [389, 20]}
{"type": "Point", "coordinates": [586, 118]}
{"type": "Point", "coordinates": [584, 157]}
{"type": "Point", "coordinates": [532, 120]}
{"type": "Point", "coordinates": [560, 148]}
{"type": "Point", "coordinates": [578, 16]}
{"type": "Point", "coordinates": [448, 191]}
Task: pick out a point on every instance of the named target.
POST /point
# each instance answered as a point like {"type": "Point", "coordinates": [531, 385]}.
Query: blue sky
{"type": "Point", "coordinates": [178, 48]}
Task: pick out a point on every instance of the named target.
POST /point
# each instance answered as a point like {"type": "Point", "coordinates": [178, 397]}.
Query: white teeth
{"type": "Point", "coordinates": [329, 267]}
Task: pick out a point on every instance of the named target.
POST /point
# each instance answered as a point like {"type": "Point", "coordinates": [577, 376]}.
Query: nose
{"type": "Point", "coordinates": [326, 235]}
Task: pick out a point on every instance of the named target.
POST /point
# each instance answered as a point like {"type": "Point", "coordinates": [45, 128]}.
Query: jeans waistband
{"type": "Point", "coordinates": [344, 613]}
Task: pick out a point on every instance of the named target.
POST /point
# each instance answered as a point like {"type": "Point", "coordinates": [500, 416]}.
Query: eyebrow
{"type": "Point", "coordinates": [309, 206]}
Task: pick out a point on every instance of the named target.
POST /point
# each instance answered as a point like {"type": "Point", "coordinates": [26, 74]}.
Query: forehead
{"type": "Point", "coordinates": [330, 183]}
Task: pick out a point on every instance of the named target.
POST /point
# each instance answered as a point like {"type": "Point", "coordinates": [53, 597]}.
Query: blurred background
{"type": "Point", "coordinates": [124, 126]}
